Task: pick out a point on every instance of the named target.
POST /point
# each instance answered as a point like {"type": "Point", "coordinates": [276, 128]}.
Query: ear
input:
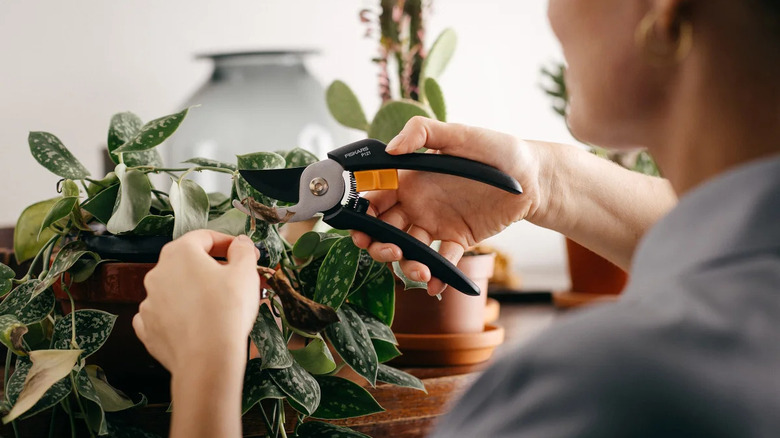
{"type": "Point", "coordinates": [670, 14]}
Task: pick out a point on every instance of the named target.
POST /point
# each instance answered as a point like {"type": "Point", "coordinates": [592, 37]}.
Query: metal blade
{"type": "Point", "coordinates": [279, 184]}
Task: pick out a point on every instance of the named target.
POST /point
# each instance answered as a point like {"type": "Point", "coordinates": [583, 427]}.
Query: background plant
{"type": "Point", "coordinates": [50, 348]}
{"type": "Point", "coordinates": [555, 87]}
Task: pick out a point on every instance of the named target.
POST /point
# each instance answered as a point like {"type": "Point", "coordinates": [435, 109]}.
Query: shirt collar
{"type": "Point", "coordinates": [735, 213]}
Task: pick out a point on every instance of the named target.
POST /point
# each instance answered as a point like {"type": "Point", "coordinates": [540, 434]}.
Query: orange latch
{"type": "Point", "coordinates": [384, 179]}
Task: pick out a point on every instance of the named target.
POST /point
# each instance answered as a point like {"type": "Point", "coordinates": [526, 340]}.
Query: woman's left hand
{"type": "Point", "coordinates": [197, 307]}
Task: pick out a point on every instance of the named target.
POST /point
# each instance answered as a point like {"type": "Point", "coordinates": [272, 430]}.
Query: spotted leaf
{"type": "Point", "coordinates": [153, 133]}
{"type": "Point", "coordinates": [49, 151]}
{"type": "Point", "coordinates": [125, 126]}
{"type": "Point", "coordinates": [24, 307]}
{"type": "Point", "coordinates": [303, 392]}
{"type": "Point", "coordinates": [397, 377]}
{"type": "Point", "coordinates": [92, 329]}
{"type": "Point", "coordinates": [58, 211]}
{"type": "Point", "coordinates": [351, 341]}
{"type": "Point", "coordinates": [11, 334]}
{"type": "Point", "coordinates": [299, 157]}
{"type": "Point", "coordinates": [96, 416]}
{"type": "Point", "coordinates": [320, 429]}
{"type": "Point", "coordinates": [315, 357]}
{"type": "Point", "coordinates": [6, 279]}
{"type": "Point", "coordinates": [258, 386]}
{"type": "Point", "coordinates": [377, 296]}
{"type": "Point", "coordinates": [208, 162]}
{"type": "Point", "coordinates": [337, 273]}
{"type": "Point", "coordinates": [270, 341]}
{"type": "Point", "coordinates": [376, 328]}
{"type": "Point", "coordinates": [65, 259]}
{"type": "Point", "coordinates": [342, 398]}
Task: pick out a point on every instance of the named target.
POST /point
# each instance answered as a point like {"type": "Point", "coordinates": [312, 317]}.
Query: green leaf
{"type": "Point", "coordinates": [101, 205]}
{"type": "Point", "coordinates": [6, 279]}
{"type": "Point", "coordinates": [345, 107]}
{"type": "Point", "coordinates": [11, 334]}
{"type": "Point", "coordinates": [315, 357]}
{"type": "Point", "coordinates": [269, 340]}
{"type": "Point", "coordinates": [96, 416]}
{"type": "Point", "coordinates": [65, 259]}
{"type": "Point", "coordinates": [367, 269]}
{"type": "Point", "coordinates": [49, 151]}
{"type": "Point", "coordinates": [385, 351]}
{"type": "Point", "coordinates": [27, 242]}
{"type": "Point", "coordinates": [232, 222]}
{"type": "Point", "coordinates": [111, 399]}
{"type": "Point", "coordinates": [153, 133]}
{"type": "Point", "coordinates": [337, 273]}
{"type": "Point", "coordinates": [439, 55]}
{"type": "Point", "coordinates": [408, 282]}
{"type": "Point", "coordinates": [299, 157]}
{"type": "Point", "coordinates": [132, 203]}
{"type": "Point", "coordinates": [376, 328]}
{"type": "Point", "coordinates": [190, 207]}
{"type": "Point", "coordinates": [261, 161]}
{"type": "Point", "coordinates": [125, 126]}
{"type": "Point", "coordinates": [314, 244]}
{"type": "Point", "coordinates": [49, 368]}
{"type": "Point", "coordinates": [377, 296]}
{"type": "Point", "coordinates": [435, 98]}
{"type": "Point", "coordinates": [154, 225]}
{"type": "Point", "coordinates": [24, 307]}
{"type": "Point", "coordinates": [96, 187]}
{"type": "Point", "coordinates": [350, 339]}
{"type": "Point", "coordinates": [326, 430]}
{"type": "Point", "coordinates": [274, 248]}
{"type": "Point", "coordinates": [392, 117]}
{"type": "Point", "coordinates": [208, 162]}
{"type": "Point", "coordinates": [342, 398]}
{"type": "Point", "coordinates": [303, 392]}
{"type": "Point", "coordinates": [258, 386]}
{"type": "Point", "coordinates": [397, 377]}
{"type": "Point", "coordinates": [92, 330]}
{"type": "Point", "coordinates": [58, 211]}
{"type": "Point", "coordinates": [83, 269]}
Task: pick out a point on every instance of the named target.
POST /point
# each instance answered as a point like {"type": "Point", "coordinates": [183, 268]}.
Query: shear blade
{"type": "Point", "coordinates": [279, 184]}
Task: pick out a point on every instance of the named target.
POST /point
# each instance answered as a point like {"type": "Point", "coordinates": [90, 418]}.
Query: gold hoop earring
{"type": "Point", "coordinates": [644, 39]}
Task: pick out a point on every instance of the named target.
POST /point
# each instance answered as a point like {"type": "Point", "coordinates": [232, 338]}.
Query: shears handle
{"type": "Point", "coordinates": [370, 154]}
{"type": "Point", "coordinates": [346, 219]}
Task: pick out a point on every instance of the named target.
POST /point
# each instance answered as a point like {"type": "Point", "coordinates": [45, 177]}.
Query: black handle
{"type": "Point", "coordinates": [345, 219]}
{"type": "Point", "coordinates": [370, 154]}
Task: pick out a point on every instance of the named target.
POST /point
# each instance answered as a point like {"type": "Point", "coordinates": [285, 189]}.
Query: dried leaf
{"type": "Point", "coordinates": [301, 313]}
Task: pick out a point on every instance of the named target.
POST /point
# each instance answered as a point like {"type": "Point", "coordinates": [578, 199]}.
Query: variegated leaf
{"type": "Point", "coordinates": [24, 307]}
{"type": "Point", "coordinates": [385, 351]}
{"type": "Point", "coordinates": [397, 377]}
{"type": "Point", "coordinates": [232, 223]}
{"type": "Point", "coordinates": [315, 357]}
{"type": "Point", "coordinates": [11, 334]}
{"type": "Point", "coordinates": [132, 202]}
{"type": "Point", "coordinates": [303, 392]}
{"type": "Point", "coordinates": [351, 341]}
{"type": "Point", "coordinates": [261, 161]}
{"type": "Point", "coordinates": [28, 240]}
{"type": "Point", "coordinates": [337, 273]}
{"type": "Point", "coordinates": [314, 244]}
{"type": "Point", "coordinates": [300, 158]}
{"type": "Point", "coordinates": [274, 248]}
{"type": "Point", "coordinates": [342, 398]}
{"type": "Point", "coordinates": [258, 386]}
{"type": "Point", "coordinates": [49, 151]}
{"type": "Point", "coordinates": [92, 329]}
{"type": "Point", "coordinates": [111, 399]}
{"type": "Point", "coordinates": [58, 211]}
{"type": "Point", "coordinates": [65, 259]}
{"type": "Point", "coordinates": [125, 126]}
{"type": "Point", "coordinates": [190, 207]}
{"type": "Point", "coordinates": [48, 368]}
{"type": "Point", "coordinates": [208, 162]}
{"type": "Point", "coordinates": [6, 279]}
{"type": "Point", "coordinates": [270, 341]}
{"type": "Point", "coordinates": [155, 225]}
{"type": "Point", "coordinates": [320, 429]}
{"type": "Point", "coordinates": [153, 133]}
{"type": "Point", "coordinates": [377, 296]}
{"type": "Point", "coordinates": [96, 416]}
{"type": "Point", "coordinates": [376, 328]}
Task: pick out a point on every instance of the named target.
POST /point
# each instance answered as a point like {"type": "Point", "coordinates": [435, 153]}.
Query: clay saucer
{"type": "Point", "coordinates": [448, 349]}
{"type": "Point", "coordinates": [573, 300]}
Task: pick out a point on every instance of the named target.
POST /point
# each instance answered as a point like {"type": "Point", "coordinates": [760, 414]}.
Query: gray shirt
{"type": "Point", "coordinates": [692, 349]}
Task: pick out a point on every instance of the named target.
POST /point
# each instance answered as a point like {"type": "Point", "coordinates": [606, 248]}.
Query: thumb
{"type": "Point", "coordinates": [422, 132]}
{"type": "Point", "coordinates": [242, 252]}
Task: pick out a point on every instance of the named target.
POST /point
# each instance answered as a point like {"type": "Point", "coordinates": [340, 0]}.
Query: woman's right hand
{"type": "Point", "coordinates": [457, 211]}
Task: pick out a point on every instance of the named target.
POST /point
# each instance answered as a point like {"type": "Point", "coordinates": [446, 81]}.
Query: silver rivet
{"type": "Point", "coordinates": [318, 186]}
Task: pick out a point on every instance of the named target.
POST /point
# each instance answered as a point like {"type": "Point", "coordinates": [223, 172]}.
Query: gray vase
{"type": "Point", "coordinates": [253, 102]}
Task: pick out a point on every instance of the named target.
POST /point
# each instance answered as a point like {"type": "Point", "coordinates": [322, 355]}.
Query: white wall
{"type": "Point", "coordinates": [66, 66]}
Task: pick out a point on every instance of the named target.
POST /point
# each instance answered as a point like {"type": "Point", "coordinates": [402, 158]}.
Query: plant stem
{"type": "Point", "coordinates": [52, 422]}
{"type": "Point", "coordinates": [6, 375]}
{"type": "Point", "coordinates": [147, 169]}
{"type": "Point", "coordinates": [16, 430]}
{"type": "Point", "coordinates": [51, 242]}
{"type": "Point", "coordinates": [81, 406]}
{"type": "Point", "coordinates": [66, 404]}
{"type": "Point", "coordinates": [268, 427]}
{"type": "Point", "coordinates": [281, 418]}
{"type": "Point", "coordinates": [66, 288]}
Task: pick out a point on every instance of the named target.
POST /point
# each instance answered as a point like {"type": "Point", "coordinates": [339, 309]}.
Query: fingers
{"type": "Point", "coordinates": [451, 251]}
{"type": "Point", "coordinates": [138, 326]}
{"type": "Point", "coordinates": [422, 132]}
{"type": "Point", "coordinates": [242, 252]}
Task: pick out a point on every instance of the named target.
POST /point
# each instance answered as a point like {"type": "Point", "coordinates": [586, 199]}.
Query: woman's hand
{"type": "Point", "coordinates": [457, 211]}
{"type": "Point", "coordinates": [197, 307]}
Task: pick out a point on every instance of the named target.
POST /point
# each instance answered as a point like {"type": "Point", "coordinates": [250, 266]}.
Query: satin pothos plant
{"type": "Point", "coordinates": [323, 288]}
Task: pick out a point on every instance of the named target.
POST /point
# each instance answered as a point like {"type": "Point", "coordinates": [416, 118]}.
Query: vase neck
{"type": "Point", "coordinates": [237, 67]}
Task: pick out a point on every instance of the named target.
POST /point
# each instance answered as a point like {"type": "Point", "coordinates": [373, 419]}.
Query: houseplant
{"type": "Point", "coordinates": [415, 91]}
{"type": "Point", "coordinates": [593, 278]}
{"type": "Point", "coordinates": [72, 241]}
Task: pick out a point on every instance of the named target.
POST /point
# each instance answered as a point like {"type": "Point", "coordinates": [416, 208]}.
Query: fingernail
{"type": "Point", "coordinates": [416, 275]}
{"type": "Point", "coordinates": [245, 239]}
{"type": "Point", "coordinates": [394, 143]}
{"type": "Point", "coordinates": [388, 254]}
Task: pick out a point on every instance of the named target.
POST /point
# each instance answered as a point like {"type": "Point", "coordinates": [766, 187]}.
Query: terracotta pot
{"type": "Point", "coordinates": [593, 274]}
{"type": "Point", "coordinates": [416, 312]}
{"type": "Point", "coordinates": [448, 349]}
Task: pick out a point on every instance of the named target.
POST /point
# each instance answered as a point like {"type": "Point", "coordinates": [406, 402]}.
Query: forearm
{"type": "Point", "coordinates": [597, 203]}
{"type": "Point", "coordinates": [207, 398]}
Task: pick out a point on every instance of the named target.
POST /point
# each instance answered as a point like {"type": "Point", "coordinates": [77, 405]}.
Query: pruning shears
{"type": "Point", "coordinates": [333, 186]}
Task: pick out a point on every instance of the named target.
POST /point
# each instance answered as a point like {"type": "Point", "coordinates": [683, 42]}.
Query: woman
{"type": "Point", "coordinates": [692, 349]}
